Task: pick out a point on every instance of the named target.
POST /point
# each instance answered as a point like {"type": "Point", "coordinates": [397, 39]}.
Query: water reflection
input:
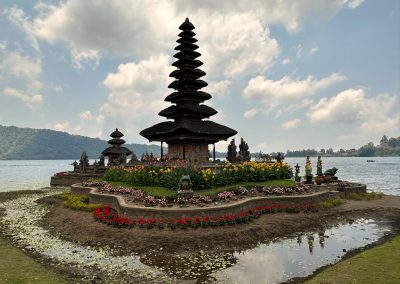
{"type": "Point", "coordinates": [271, 262]}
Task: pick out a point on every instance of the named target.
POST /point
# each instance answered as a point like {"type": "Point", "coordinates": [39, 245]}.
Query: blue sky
{"type": "Point", "coordinates": [284, 74]}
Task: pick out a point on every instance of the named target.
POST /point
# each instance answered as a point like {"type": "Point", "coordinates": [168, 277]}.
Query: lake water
{"type": "Point", "coordinates": [381, 175]}
{"type": "Point", "coordinates": [266, 262]}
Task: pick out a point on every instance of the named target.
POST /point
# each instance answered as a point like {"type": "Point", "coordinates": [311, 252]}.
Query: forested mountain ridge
{"type": "Point", "coordinates": [44, 144]}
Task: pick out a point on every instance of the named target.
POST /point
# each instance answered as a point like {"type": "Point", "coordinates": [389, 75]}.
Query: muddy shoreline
{"type": "Point", "coordinates": [80, 227]}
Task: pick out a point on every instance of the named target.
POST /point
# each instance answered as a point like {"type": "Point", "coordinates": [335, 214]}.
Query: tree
{"type": "Point", "coordinates": [261, 157]}
{"type": "Point", "coordinates": [367, 150]}
{"type": "Point", "coordinates": [231, 155]}
{"type": "Point", "coordinates": [384, 140]}
{"type": "Point", "coordinates": [244, 153]}
{"type": "Point", "coordinates": [392, 142]}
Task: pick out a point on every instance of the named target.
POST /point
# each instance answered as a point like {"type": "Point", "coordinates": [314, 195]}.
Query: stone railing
{"type": "Point", "coordinates": [118, 203]}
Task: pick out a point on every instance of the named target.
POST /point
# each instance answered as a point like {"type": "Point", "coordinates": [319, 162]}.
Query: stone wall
{"type": "Point", "coordinates": [119, 204]}
{"type": "Point", "coordinates": [66, 180]}
{"type": "Point", "coordinates": [352, 188]}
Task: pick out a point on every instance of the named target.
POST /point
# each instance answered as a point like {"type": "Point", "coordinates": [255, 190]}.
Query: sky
{"type": "Point", "coordinates": [284, 74]}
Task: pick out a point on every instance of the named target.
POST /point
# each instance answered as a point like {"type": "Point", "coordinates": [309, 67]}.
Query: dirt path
{"type": "Point", "coordinates": [80, 226]}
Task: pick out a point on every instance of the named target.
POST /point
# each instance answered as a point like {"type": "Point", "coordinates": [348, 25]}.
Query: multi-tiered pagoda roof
{"type": "Point", "coordinates": [188, 111]}
{"type": "Point", "coordinates": [116, 148]}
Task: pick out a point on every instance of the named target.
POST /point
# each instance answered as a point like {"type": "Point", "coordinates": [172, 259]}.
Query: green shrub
{"type": "Point", "coordinates": [331, 203]}
{"type": "Point", "coordinates": [169, 177]}
{"type": "Point", "coordinates": [77, 202]}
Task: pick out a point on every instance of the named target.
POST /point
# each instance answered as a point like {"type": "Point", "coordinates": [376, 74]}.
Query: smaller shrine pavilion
{"type": "Point", "coordinates": [116, 153]}
{"type": "Point", "coordinates": [188, 131]}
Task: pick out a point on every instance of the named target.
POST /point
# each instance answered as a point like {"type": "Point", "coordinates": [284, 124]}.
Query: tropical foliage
{"type": "Point", "coordinates": [201, 178]}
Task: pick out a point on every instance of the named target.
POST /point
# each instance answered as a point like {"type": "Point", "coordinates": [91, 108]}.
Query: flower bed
{"type": "Point", "coordinates": [138, 195]}
{"type": "Point", "coordinates": [108, 216]}
{"type": "Point", "coordinates": [201, 178]}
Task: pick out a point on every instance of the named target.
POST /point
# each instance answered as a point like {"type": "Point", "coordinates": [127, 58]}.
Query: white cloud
{"type": "Point", "coordinates": [218, 88]}
{"type": "Point", "coordinates": [89, 57]}
{"type": "Point", "coordinates": [21, 66]}
{"type": "Point", "coordinates": [383, 123]}
{"type": "Point", "coordinates": [251, 113]}
{"type": "Point", "coordinates": [290, 14]}
{"type": "Point", "coordinates": [238, 45]}
{"type": "Point", "coordinates": [345, 107]}
{"type": "Point", "coordinates": [137, 92]}
{"type": "Point", "coordinates": [22, 75]}
{"type": "Point", "coordinates": [66, 127]}
{"type": "Point", "coordinates": [354, 3]}
{"type": "Point", "coordinates": [286, 61]}
{"type": "Point", "coordinates": [3, 44]}
{"type": "Point", "coordinates": [273, 93]}
{"type": "Point", "coordinates": [30, 100]}
{"type": "Point", "coordinates": [352, 106]}
{"type": "Point", "coordinates": [313, 50]}
{"type": "Point", "coordinates": [86, 115]}
{"type": "Point", "coordinates": [18, 17]}
{"type": "Point", "coordinates": [122, 27]}
{"type": "Point", "coordinates": [291, 124]}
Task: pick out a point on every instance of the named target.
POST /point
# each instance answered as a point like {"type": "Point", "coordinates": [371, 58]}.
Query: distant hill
{"type": "Point", "coordinates": [43, 144]}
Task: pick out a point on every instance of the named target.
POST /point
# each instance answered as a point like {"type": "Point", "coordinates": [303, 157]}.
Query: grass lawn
{"type": "Point", "coordinates": [16, 267]}
{"type": "Point", "coordinates": [170, 193]}
{"type": "Point", "coordinates": [380, 264]}
{"type": "Point", "coordinates": [151, 190]}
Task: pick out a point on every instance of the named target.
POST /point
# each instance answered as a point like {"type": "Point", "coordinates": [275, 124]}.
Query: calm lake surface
{"type": "Point", "coordinates": [381, 175]}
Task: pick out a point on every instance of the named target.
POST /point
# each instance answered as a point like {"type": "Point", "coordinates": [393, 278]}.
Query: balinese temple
{"type": "Point", "coordinates": [187, 133]}
{"type": "Point", "coordinates": [116, 153]}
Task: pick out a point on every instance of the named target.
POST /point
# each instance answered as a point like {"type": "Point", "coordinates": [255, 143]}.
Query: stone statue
{"type": "Point", "coordinates": [101, 161]}
{"type": "Point", "coordinates": [133, 159]}
{"type": "Point", "coordinates": [244, 153]}
{"type": "Point", "coordinates": [331, 172]}
{"type": "Point", "coordinates": [76, 168]}
{"type": "Point", "coordinates": [297, 178]}
{"type": "Point", "coordinates": [231, 157]}
{"type": "Point", "coordinates": [83, 162]}
{"type": "Point", "coordinates": [185, 187]}
{"type": "Point", "coordinates": [153, 158]}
